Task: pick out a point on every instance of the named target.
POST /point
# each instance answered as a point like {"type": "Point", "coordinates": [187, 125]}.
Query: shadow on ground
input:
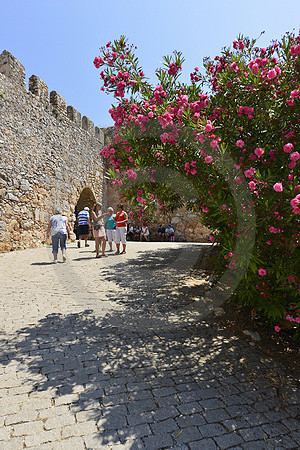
{"type": "Point", "coordinates": [143, 380]}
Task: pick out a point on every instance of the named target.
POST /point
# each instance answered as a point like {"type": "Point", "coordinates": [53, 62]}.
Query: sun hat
{"type": "Point", "coordinates": [86, 208]}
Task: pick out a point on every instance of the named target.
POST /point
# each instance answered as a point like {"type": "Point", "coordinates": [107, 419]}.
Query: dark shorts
{"type": "Point", "coordinates": [83, 230]}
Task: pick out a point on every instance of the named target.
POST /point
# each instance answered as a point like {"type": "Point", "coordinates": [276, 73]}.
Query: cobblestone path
{"type": "Point", "coordinates": [102, 354]}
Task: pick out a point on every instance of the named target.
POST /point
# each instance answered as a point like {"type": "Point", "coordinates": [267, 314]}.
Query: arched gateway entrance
{"type": "Point", "coordinates": [86, 198]}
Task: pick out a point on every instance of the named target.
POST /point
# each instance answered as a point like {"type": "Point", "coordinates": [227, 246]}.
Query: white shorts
{"type": "Point", "coordinates": [111, 235]}
{"type": "Point", "coordinates": [121, 235]}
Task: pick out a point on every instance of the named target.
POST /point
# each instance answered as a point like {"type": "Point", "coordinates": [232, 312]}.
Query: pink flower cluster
{"type": "Point", "coordinates": [246, 110]}
{"type": "Point", "coordinates": [295, 204]}
{"type": "Point", "coordinates": [173, 69]}
{"type": "Point", "coordinates": [239, 45]}
{"type": "Point", "coordinates": [190, 168]}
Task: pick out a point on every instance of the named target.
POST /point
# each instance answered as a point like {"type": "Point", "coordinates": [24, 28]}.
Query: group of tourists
{"type": "Point", "coordinates": [107, 227]}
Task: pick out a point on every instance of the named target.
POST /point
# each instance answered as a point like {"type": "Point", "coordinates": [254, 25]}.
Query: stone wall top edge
{"type": "Point", "coordinates": [40, 89]}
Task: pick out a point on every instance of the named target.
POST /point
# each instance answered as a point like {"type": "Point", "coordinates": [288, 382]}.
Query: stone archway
{"type": "Point", "coordinates": [86, 198]}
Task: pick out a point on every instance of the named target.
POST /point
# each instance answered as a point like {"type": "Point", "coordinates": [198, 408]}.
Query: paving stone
{"type": "Point", "coordinates": [205, 444]}
{"type": "Point", "coordinates": [167, 401]}
{"type": "Point", "coordinates": [28, 428]}
{"type": "Point", "coordinates": [187, 435]}
{"type": "Point", "coordinates": [212, 430]}
{"type": "Point", "coordinates": [24, 416]}
{"type": "Point", "coordinates": [5, 433]}
{"type": "Point", "coordinates": [158, 441]}
{"type": "Point", "coordinates": [12, 444]}
{"type": "Point", "coordinates": [101, 440]}
{"type": "Point", "coordinates": [66, 399]}
{"type": "Point", "coordinates": [291, 424]}
{"type": "Point", "coordinates": [213, 403]}
{"type": "Point", "coordinates": [133, 433]}
{"type": "Point", "coordinates": [253, 433]}
{"type": "Point", "coordinates": [255, 419]}
{"type": "Point", "coordinates": [165, 426]}
{"type": "Point", "coordinates": [112, 422]}
{"type": "Point", "coordinates": [274, 429]}
{"type": "Point", "coordinates": [229, 440]}
{"type": "Point", "coordinates": [75, 443]}
{"type": "Point", "coordinates": [59, 421]}
{"type": "Point", "coordinates": [215, 415]}
{"type": "Point", "coordinates": [141, 406]}
{"type": "Point", "coordinates": [79, 429]}
{"type": "Point", "coordinates": [189, 408]}
{"type": "Point", "coordinates": [137, 419]}
{"type": "Point", "coordinates": [54, 411]}
{"type": "Point", "coordinates": [235, 424]}
{"type": "Point", "coordinates": [191, 420]}
{"type": "Point", "coordinates": [41, 438]}
{"type": "Point", "coordinates": [165, 413]}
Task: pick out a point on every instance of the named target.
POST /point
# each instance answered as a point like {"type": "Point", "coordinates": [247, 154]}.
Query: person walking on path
{"type": "Point", "coordinates": [60, 230]}
{"type": "Point", "coordinates": [121, 229]}
{"type": "Point", "coordinates": [110, 226]}
{"type": "Point", "coordinates": [84, 225]}
{"type": "Point", "coordinates": [99, 230]}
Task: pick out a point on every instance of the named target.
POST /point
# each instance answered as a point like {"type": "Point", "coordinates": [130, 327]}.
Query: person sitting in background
{"type": "Point", "coordinates": [170, 233]}
{"type": "Point", "coordinates": [110, 227]}
{"type": "Point", "coordinates": [84, 225]}
{"type": "Point", "coordinates": [144, 233]}
{"type": "Point", "coordinates": [130, 232]}
{"type": "Point", "coordinates": [60, 230]}
{"type": "Point", "coordinates": [161, 232]}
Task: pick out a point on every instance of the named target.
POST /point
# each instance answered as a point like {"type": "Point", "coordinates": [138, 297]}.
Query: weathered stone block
{"type": "Point", "coordinates": [74, 115]}
{"type": "Point", "coordinates": [58, 103]}
{"type": "Point", "coordinates": [88, 125]}
{"type": "Point", "coordinates": [12, 68]}
{"type": "Point", "coordinates": [39, 87]}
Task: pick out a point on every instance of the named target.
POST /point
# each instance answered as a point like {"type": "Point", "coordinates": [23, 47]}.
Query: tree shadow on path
{"type": "Point", "coordinates": [135, 377]}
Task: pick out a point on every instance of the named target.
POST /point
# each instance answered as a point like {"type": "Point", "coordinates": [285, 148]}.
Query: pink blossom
{"type": "Point", "coordinates": [277, 329]}
{"type": "Point", "coordinates": [249, 172]}
{"type": "Point", "coordinates": [204, 209]}
{"type": "Point", "coordinates": [193, 172]}
{"type": "Point", "coordinates": [290, 176]}
{"type": "Point", "coordinates": [288, 148]}
{"type": "Point", "coordinates": [234, 67]}
{"type": "Point", "coordinates": [173, 69]}
{"type": "Point", "coordinates": [271, 74]}
{"type": "Point", "coordinates": [295, 93]}
{"type": "Point", "coordinates": [214, 144]}
{"type": "Point", "coordinates": [208, 127]}
{"type": "Point", "coordinates": [295, 50]}
{"type": "Point", "coordinates": [224, 207]}
{"type": "Point", "coordinates": [139, 199]}
{"type": "Point", "coordinates": [208, 159]}
{"type": "Point", "coordinates": [295, 156]}
{"type": "Point", "coordinates": [269, 242]}
{"type": "Point", "coordinates": [240, 143]}
{"type": "Point", "coordinates": [259, 151]}
{"type": "Point", "coordinates": [252, 185]}
{"type": "Point", "coordinates": [211, 238]}
{"type": "Point", "coordinates": [291, 165]}
{"type": "Point", "coordinates": [262, 272]}
{"type": "Point", "coordinates": [131, 174]}
{"type": "Point", "coordinates": [278, 187]}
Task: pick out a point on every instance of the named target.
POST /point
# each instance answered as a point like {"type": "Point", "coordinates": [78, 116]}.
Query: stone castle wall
{"type": "Point", "coordinates": [49, 154]}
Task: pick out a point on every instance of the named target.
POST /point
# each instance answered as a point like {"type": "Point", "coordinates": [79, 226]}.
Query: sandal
{"type": "Point", "coordinates": [98, 256]}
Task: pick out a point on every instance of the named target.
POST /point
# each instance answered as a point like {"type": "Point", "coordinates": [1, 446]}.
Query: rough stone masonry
{"type": "Point", "coordinates": [49, 154]}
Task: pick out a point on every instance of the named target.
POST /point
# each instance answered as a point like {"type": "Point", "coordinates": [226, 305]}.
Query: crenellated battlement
{"type": "Point", "coordinates": [15, 72]}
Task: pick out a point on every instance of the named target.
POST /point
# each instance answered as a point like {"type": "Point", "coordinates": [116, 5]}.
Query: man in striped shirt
{"type": "Point", "coordinates": [83, 219]}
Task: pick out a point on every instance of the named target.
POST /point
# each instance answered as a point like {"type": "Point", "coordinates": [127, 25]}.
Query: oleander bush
{"type": "Point", "coordinates": [225, 144]}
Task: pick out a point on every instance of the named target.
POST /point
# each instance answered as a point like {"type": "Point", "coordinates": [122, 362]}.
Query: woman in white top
{"type": "Point", "coordinates": [60, 230]}
{"type": "Point", "coordinates": [144, 233]}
